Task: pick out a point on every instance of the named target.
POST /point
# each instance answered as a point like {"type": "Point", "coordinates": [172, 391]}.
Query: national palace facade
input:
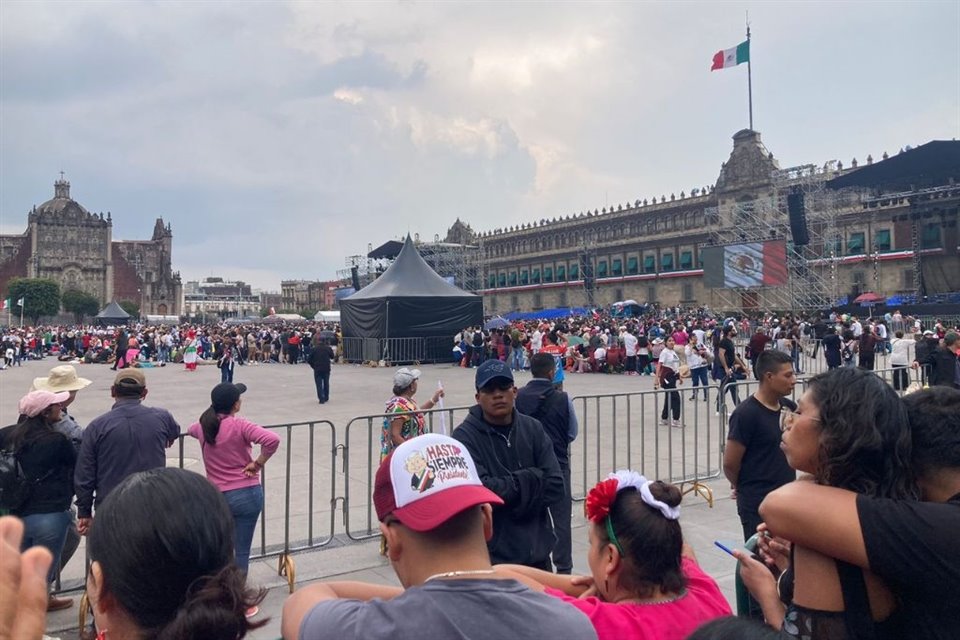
{"type": "Point", "coordinates": [650, 250]}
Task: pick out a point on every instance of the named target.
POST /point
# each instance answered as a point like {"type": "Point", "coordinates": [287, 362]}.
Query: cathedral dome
{"type": "Point", "coordinates": [62, 205]}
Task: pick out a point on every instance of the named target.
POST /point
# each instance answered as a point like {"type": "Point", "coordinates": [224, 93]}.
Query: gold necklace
{"type": "Point", "coordinates": [457, 574]}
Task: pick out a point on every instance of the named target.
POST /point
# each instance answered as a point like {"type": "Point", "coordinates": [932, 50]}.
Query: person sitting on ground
{"type": "Point", "coordinates": [910, 545]}
{"type": "Point", "coordinates": [162, 562]}
{"type": "Point", "coordinates": [644, 582]}
{"type": "Point", "coordinates": [850, 431]}
{"type": "Point", "coordinates": [436, 516]}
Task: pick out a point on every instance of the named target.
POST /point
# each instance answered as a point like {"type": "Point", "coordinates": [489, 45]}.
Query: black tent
{"type": "Point", "coordinates": [113, 314]}
{"type": "Point", "coordinates": [410, 311]}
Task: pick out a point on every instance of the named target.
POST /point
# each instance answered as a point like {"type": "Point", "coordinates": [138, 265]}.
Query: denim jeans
{"type": "Point", "coordinates": [517, 359]}
{"type": "Point", "coordinates": [322, 381]}
{"type": "Point", "coordinates": [698, 375]}
{"type": "Point", "coordinates": [245, 505]}
{"type": "Point", "coordinates": [47, 530]}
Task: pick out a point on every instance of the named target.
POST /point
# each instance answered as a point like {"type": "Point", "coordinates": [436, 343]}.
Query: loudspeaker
{"type": "Point", "coordinates": [355, 276]}
{"type": "Point", "coordinates": [798, 218]}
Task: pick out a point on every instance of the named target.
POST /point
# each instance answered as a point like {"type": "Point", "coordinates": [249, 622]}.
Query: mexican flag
{"type": "Point", "coordinates": [731, 57]}
{"type": "Point", "coordinates": [4, 304]}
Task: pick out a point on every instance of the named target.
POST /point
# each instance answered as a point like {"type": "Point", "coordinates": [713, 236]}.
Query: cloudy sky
{"type": "Point", "coordinates": [278, 138]}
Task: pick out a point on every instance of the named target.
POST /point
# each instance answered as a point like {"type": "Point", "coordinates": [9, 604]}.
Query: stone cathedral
{"type": "Point", "coordinates": [66, 243]}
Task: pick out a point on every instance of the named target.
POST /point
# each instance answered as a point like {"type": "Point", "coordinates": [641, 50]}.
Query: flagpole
{"type": "Point", "coordinates": [21, 312]}
{"type": "Point", "coordinates": [749, 79]}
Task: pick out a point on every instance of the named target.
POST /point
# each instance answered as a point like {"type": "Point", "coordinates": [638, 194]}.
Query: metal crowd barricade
{"type": "Point", "coordinates": [295, 489]}
{"type": "Point", "coordinates": [358, 480]}
{"type": "Point", "coordinates": [685, 455]}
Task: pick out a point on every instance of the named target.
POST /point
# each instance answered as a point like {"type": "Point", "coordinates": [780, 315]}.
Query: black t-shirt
{"type": "Point", "coordinates": [727, 344]}
{"type": "Point", "coordinates": [764, 467]}
{"type": "Point", "coordinates": [913, 547]}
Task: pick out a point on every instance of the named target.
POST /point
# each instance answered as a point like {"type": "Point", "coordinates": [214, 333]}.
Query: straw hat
{"type": "Point", "coordinates": [62, 378]}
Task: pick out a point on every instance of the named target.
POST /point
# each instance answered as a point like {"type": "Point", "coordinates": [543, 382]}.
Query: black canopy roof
{"type": "Point", "coordinates": [411, 301]}
{"type": "Point", "coordinates": [113, 311]}
{"type": "Point", "coordinates": [928, 165]}
{"type": "Point", "coordinates": [409, 276]}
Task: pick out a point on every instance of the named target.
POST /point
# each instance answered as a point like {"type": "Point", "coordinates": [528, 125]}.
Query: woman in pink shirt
{"type": "Point", "coordinates": [226, 441]}
{"type": "Point", "coordinates": [646, 584]}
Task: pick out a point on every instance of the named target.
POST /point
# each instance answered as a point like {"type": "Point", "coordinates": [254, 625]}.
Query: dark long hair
{"type": "Point", "coordinates": [865, 434]}
{"type": "Point", "coordinates": [210, 423]}
{"type": "Point", "coordinates": [651, 543]}
{"type": "Point", "coordinates": [164, 540]}
{"type": "Point", "coordinates": [27, 429]}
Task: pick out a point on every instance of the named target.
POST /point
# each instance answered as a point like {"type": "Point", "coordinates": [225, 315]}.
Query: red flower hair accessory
{"type": "Point", "coordinates": [601, 498]}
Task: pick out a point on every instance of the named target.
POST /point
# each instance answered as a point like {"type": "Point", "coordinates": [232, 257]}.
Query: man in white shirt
{"type": "Point", "coordinates": [536, 340]}
{"type": "Point", "coordinates": [630, 351]}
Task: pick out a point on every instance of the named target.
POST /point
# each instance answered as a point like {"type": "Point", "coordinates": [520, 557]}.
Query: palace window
{"type": "Point", "coordinates": [686, 262]}
{"type": "Point", "coordinates": [493, 280]}
{"type": "Point", "coordinates": [666, 262]}
{"type": "Point", "coordinates": [617, 268]}
{"type": "Point", "coordinates": [651, 294]}
{"type": "Point", "coordinates": [855, 244]}
{"type": "Point", "coordinates": [513, 278]}
{"type": "Point", "coordinates": [931, 238]}
{"type": "Point", "coordinates": [649, 264]}
{"type": "Point", "coordinates": [524, 277]}
{"type": "Point", "coordinates": [503, 280]}
{"type": "Point", "coordinates": [881, 240]}
{"type": "Point", "coordinates": [688, 292]}
{"type": "Point", "coordinates": [602, 269]}
{"type": "Point", "coordinates": [618, 293]}
{"type": "Point", "coordinates": [562, 299]}
{"type": "Point", "coordinates": [574, 271]}
{"type": "Point", "coordinates": [561, 273]}
{"type": "Point", "coordinates": [548, 274]}
{"type": "Point", "coordinates": [632, 268]}
{"type": "Point", "coordinates": [536, 276]}
{"type": "Point", "coordinates": [537, 301]}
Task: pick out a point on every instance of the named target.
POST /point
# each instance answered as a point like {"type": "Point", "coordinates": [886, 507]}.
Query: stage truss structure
{"type": "Point", "coordinates": [812, 268]}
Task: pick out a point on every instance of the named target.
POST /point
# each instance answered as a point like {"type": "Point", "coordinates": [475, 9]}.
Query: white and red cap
{"type": "Point", "coordinates": [426, 481]}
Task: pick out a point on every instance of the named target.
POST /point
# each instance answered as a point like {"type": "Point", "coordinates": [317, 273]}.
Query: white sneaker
{"type": "Point", "coordinates": [676, 423]}
{"type": "Point", "coordinates": [664, 422]}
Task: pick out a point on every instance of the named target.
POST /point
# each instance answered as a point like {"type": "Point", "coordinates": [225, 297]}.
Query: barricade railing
{"type": "Point", "coordinates": [627, 430]}
{"type": "Point", "coordinates": [359, 519]}
{"type": "Point", "coordinates": [307, 509]}
{"type": "Point", "coordinates": [401, 350]}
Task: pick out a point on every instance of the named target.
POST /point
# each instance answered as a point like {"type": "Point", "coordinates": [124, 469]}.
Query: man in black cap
{"type": "Point", "coordinates": [129, 438]}
{"type": "Point", "coordinates": [515, 460]}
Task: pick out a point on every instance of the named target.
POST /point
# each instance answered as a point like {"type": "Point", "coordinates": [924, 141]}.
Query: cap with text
{"type": "Point", "coordinates": [426, 481]}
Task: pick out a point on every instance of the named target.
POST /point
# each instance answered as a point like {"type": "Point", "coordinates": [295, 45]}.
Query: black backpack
{"type": "Point", "coordinates": [14, 485]}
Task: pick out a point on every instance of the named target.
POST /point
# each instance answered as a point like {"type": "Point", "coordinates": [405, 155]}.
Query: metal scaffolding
{"type": "Point", "coordinates": [812, 268]}
{"type": "Point", "coordinates": [462, 262]}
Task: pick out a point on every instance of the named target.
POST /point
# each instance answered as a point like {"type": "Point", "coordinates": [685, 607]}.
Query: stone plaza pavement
{"type": "Point", "coordinates": [616, 432]}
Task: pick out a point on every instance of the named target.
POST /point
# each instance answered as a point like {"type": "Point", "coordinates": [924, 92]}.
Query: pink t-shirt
{"type": "Point", "coordinates": [680, 337]}
{"type": "Point", "coordinates": [232, 451]}
{"type": "Point", "coordinates": [667, 621]}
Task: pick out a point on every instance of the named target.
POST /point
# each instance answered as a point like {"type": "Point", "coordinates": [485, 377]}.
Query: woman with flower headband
{"type": "Point", "coordinates": [645, 582]}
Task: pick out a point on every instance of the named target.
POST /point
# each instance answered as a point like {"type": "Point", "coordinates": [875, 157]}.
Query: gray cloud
{"type": "Point", "coordinates": [278, 138]}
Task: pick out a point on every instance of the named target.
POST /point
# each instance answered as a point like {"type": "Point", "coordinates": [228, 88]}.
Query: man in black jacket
{"type": "Point", "coordinates": [319, 361]}
{"type": "Point", "coordinates": [515, 460]}
{"type": "Point", "coordinates": [944, 362]}
{"type": "Point", "coordinates": [541, 400]}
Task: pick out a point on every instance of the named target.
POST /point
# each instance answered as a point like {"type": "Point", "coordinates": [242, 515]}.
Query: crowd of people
{"type": "Point", "coordinates": [477, 524]}
{"type": "Point", "coordinates": [146, 345]}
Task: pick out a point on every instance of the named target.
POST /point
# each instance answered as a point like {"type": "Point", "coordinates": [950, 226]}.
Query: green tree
{"type": "Point", "coordinates": [80, 304]}
{"type": "Point", "coordinates": [41, 297]}
{"type": "Point", "coordinates": [130, 307]}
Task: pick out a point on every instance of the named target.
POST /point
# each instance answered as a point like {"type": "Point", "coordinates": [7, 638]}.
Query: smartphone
{"type": "Point", "coordinates": [730, 551]}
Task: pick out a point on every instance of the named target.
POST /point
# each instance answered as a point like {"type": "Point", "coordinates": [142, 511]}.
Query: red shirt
{"type": "Point", "coordinates": [673, 620]}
